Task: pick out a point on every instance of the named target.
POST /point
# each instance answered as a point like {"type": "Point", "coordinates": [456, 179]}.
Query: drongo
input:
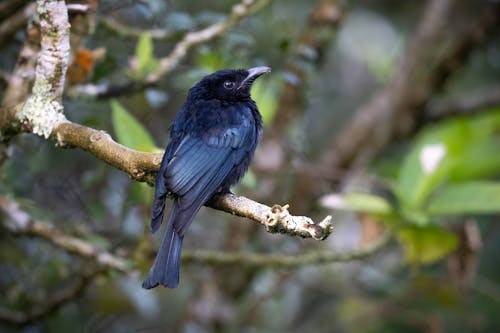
{"type": "Point", "coordinates": [212, 142]}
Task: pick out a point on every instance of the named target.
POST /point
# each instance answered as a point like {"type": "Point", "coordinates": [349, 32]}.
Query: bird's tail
{"type": "Point", "coordinates": [165, 269]}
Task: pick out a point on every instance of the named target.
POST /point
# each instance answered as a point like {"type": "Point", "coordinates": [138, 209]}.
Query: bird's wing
{"type": "Point", "coordinates": [200, 165]}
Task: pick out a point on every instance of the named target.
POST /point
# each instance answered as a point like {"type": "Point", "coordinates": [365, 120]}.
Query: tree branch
{"type": "Point", "coordinates": [276, 219]}
{"type": "Point", "coordinates": [19, 222]}
{"type": "Point", "coordinates": [43, 113]}
{"type": "Point", "coordinates": [140, 166]}
{"type": "Point", "coordinates": [309, 52]}
{"type": "Point", "coordinates": [43, 110]}
{"type": "Point", "coordinates": [283, 261]}
{"type": "Point", "coordinates": [143, 167]}
{"type": "Point", "coordinates": [126, 31]}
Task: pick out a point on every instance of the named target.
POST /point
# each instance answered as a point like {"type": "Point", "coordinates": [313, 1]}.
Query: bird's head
{"type": "Point", "coordinates": [227, 84]}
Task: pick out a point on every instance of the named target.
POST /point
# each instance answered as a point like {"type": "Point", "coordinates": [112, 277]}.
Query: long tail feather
{"type": "Point", "coordinates": [165, 269]}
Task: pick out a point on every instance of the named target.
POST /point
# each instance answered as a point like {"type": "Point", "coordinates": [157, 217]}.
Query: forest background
{"type": "Point", "coordinates": [372, 204]}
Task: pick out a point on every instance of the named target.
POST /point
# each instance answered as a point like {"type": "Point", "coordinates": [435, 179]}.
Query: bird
{"type": "Point", "coordinates": [212, 142]}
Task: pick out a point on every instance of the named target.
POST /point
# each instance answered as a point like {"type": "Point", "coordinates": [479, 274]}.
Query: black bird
{"type": "Point", "coordinates": [212, 142]}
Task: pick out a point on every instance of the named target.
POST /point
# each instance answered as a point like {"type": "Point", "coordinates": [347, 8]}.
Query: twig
{"type": "Point", "coordinates": [276, 219]}
{"type": "Point", "coordinates": [15, 22]}
{"type": "Point", "coordinates": [20, 223]}
{"type": "Point", "coordinates": [465, 103]}
{"type": "Point", "coordinates": [308, 53]}
{"type": "Point", "coordinates": [487, 287]}
{"type": "Point", "coordinates": [283, 261]}
{"type": "Point", "coordinates": [107, 90]}
{"type": "Point", "coordinates": [124, 30]}
{"type": "Point", "coordinates": [238, 12]}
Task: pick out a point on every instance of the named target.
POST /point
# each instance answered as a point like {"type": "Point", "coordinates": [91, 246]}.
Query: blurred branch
{"type": "Point", "coordinates": [16, 21]}
{"type": "Point", "coordinates": [306, 55]}
{"type": "Point", "coordinates": [21, 78]}
{"type": "Point", "coordinates": [126, 31]}
{"type": "Point", "coordinates": [51, 303]}
{"type": "Point", "coordinates": [78, 7]}
{"type": "Point", "coordinates": [238, 12]}
{"type": "Point", "coordinates": [9, 6]}
{"type": "Point", "coordinates": [488, 288]}
{"type": "Point", "coordinates": [447, 32]}
{"type": "Point", "coordinates": [306, 58]}
{"type": "Point", "coordinates": [465, 103]}
{"type": "Point", "coordinates": [107, 90]}
{"type": "Point", "coordinates": [19, 222]}
{"type": "Point", "coordinates": [4, 76]}
{"type": "Point", "coordinates": [283, 261]}
{"type": "Point", "coordinates": [18, 86]}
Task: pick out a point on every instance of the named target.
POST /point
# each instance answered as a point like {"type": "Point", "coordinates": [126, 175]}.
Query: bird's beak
{"type": "Point", "coordinates": [254, 73]}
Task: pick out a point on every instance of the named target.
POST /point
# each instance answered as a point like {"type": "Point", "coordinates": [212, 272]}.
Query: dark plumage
{"type": "Point", "coordinates": [212, 142]}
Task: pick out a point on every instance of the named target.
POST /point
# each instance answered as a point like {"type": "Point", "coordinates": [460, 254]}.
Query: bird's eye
{"type": "Point", "coordinates": [229, 84]}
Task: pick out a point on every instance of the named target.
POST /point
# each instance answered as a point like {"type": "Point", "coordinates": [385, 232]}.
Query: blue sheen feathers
{"type": "Point", "coordinates": [212, 141]}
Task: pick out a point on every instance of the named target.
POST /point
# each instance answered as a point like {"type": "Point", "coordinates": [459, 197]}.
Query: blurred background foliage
{"type": "Point", "coordinates": [437, 190]}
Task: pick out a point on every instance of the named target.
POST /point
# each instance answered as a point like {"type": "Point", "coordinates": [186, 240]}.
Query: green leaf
{"type": "Point", "coordinates": [479, 159]}
{"type": "Point", "coordinates": [425, 245]}
{"type": "Point", "coordinates": [146, 62]}
{"type": "Point", "coordinates": [475, 197]}
{"type": "Point", "coordinates": [129, 131]}
{"type": "Point", "coordinates": [141, 193]}
{"type": "Point", "coordinates": [144, 51]}
{"type": "Point", "coordinates": [265, 94]}
{"type": "Point", "coordinates": [362, 202]}
{"type": "Point", "coordinates": [429, 163]}
{"type": "Point", "coordinates": [415, 216]}
{"type": "Point", "coordinates": [368, 203]}
{"type": "Point", "coordinates": [460, 149]}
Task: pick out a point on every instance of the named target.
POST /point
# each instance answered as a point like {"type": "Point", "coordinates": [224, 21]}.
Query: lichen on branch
{"type": "Point", "coordinates": [43, 110]}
